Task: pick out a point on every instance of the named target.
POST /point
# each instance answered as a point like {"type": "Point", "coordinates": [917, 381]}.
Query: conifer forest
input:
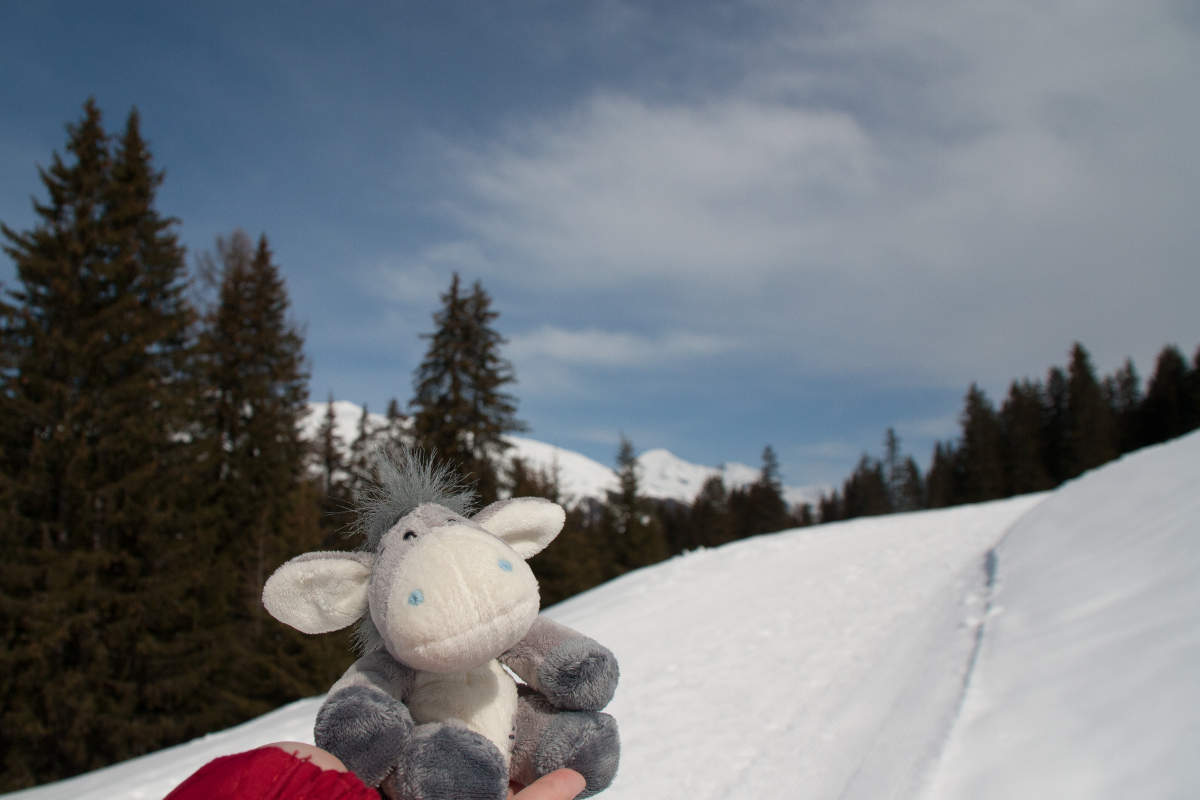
{"type": "Point", "coordinates": [152, 473]}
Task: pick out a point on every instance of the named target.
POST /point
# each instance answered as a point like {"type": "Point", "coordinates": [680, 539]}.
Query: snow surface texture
{"type": "Point", "coordinates": [1042, 646]}
{"type": "Point", "coordinates": [663, 475]}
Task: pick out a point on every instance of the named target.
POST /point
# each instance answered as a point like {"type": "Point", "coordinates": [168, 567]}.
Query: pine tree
{"type": "Point", "coordinates": [760, 507]}
{"type": "Point", "coordinates": [1168, 409]}
{"type": "Point", "coordinates": [329, 457]}
{"type": "Point", "coordinates": [94, 343]}
{"type": "Point", "coordinates": [362, 449]}
{"type": "Point", "coordinates": [1123, 392]}
{"type": "Point", "coordinates": [635, 531]}
{"type": "Point", "coordinates": [903, 476]}
{"type": "Point", "coordinates": [1091, 433]}
{"type": "Point", "coordinates": [462, 410]}
{"type": "Point", "coordinates": [711, 521]}
{"type": "Point", "coordinates": [1055, 426]}
{"type": "Point", "coordinates": [829, 507]}
{"type": "Point", "coordinates": [395, 434]}
{"type": "Point", "coordinates": [329, 447]}
{"type": "Point", "coordinates": [865, 492]}
{"type": "Point", "coordinates": [1021, 440]}
{"type": "Point", "coordinates": [675, 519]}
{"type": "Point", "coordinates": [982, 472]}
{"type": "Point", "coordinates": [911, 487]}
{"type": "Point", "coordinates": [573, 563]}
{"type": "Point", "coordinates": [944, 485]}
{"type": "Point", "coordinates": [261, 509]}
{"type": "Point", "coordinates": [1194, 391]}
{"type": "Point", "coordinates": [523, 480]}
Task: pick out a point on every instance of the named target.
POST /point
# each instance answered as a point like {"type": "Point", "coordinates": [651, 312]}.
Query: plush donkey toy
{"type": "Point", "coordinates": [446, 602]}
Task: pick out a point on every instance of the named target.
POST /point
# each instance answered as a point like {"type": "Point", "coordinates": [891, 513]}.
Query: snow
{"type": "Point", "coordinates": [578, 476]}
{"type": "Point", "coordinates": [665, 475]}
{"type": "Point", "coordinates": [1041, 646]}
{"type": "Point", "coordinates": [1089, 673]}
{"type": "Point", "coordinates": [346, 416]}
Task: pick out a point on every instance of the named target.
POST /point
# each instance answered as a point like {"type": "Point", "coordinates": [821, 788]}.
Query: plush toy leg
{"type": "Point", "coordinates": [548, 739]}
{"type": "Point", "coordinates": [448, 761]}
{"type": "Point", "coordinates": [366, 729]}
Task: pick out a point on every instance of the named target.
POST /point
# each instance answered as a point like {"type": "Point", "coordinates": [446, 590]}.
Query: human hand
{"type": "Point", "coordinates": [562, 784]}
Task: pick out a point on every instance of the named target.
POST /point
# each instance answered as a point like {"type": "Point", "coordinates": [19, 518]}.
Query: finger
{"type": "Point", "coordinates": [562, 784]}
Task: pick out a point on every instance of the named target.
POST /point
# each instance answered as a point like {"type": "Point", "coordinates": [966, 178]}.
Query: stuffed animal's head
{"type": "Point", "coordinates": [442, 591]}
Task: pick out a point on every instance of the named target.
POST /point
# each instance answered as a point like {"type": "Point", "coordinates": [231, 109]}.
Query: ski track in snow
{"type": "Point", "coordinates": [795, 658]}
{"type": "Point", "coordinates": [1086, 676]}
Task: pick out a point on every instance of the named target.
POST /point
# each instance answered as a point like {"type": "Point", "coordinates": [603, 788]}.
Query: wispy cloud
{"type": "Point", "coordinates": [941, 427]}
{"type": "Point", "coordinates": [595, 347]}
{"type": "Point", "coordinates": [900, 188]}
{"type": "Point", "coordinates": [621, 191]}
{"type": "Point", "coordinates": [422, 277]}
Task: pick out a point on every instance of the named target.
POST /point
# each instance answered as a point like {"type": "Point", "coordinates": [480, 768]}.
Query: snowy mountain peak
{"type": "Point", "coordinates": [664, 475]}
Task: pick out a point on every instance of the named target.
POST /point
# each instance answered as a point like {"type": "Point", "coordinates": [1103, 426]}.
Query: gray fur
{"type": "Point", "coordinates": [380, 671]}
{"type": "Point", "coordinates": [365, 728]}
{"type": "Point", "coordinates": [366, 638]}
{"type": "Point", "coordinates": [548, 739]}
{"type": "Point", "coordinates": [405, 479]}
{"type": "Point", "coordinates": [573, 671]}
{"type": "Point", "coordinates": [587, 742]}
{"type": "Point", "coordinates": [445, 761]}
{"type": "Point", "coordinates": [579, 675]}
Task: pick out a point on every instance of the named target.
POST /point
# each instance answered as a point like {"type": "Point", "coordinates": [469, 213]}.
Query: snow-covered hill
{"type": "Point", "coordinates": [1042, 646]}
{"type": "Point", "coordinates": [663, 475]}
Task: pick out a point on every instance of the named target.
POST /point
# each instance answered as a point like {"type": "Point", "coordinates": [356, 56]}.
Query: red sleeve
{"type": "Point", "coordinates": [269, 774]}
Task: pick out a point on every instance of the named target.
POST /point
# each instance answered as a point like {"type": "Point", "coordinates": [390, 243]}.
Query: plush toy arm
{"type": "Point", "coordinates": [570, 670]}
{"type": "Point", "coordinates": [364, 721]}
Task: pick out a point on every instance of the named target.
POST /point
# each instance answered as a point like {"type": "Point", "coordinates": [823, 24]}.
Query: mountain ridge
{"type": "Point", "coordinates": [663, 475]}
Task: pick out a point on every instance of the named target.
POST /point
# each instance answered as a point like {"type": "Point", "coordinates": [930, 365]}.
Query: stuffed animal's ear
{"type": "Point", "coordinates": [319, 592]}
{"type": "Point", "coordinates": [526, 524]}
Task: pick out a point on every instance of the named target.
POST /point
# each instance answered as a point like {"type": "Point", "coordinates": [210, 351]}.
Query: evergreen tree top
{"type": "Point", "coordinates": [769, 475]}
{"type": "Point", "coordinates": [461, 410]}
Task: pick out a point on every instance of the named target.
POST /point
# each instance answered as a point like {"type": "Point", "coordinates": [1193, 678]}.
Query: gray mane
{"type": "Point", "coordinates": [403, 480]}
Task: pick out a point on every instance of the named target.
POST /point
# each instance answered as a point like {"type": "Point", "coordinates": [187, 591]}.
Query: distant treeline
{"type": "Point", "coordinates": [1043, 434]}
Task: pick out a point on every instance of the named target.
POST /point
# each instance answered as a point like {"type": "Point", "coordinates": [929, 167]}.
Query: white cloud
{"type": "Point", "coordinates": [422, 278]}
{"type": "Point", "coordinates": [612, 348]}
{"type": "Point", "coordinates": [944, 427]}
{"type": "Point", "coordinates": [622, 191]}
{"type": "Point", "coordinates": [910, 187]}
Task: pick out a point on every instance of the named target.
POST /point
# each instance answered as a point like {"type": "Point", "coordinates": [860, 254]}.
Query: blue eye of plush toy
{"type": "Point", "coordinates": [505, 564]}
{"type": "Point", "coordinates": [416, 598]}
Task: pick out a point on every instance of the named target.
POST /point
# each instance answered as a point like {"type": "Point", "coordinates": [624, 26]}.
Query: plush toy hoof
{"type": "Point", "coordinates": [446, 761]}
{"type": "Point", "coordinates": [579, 675]}
{"type": "Point", "coordinates": [585, 741]}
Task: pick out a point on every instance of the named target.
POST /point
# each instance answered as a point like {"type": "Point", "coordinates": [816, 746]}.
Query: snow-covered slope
{"type": "Point", "coordinates": [664, 475]}
{"type": "Point", "coordinates": [1043, 646]}
{"type": "Point", "coordinates": [1088, 677]}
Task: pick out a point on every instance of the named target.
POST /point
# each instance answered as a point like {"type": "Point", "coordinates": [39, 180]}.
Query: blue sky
{"type": "Point", "coordinates": [710, 226]}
